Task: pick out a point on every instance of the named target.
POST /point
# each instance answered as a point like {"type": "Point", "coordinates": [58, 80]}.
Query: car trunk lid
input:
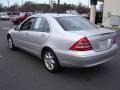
{"type": "Point", "coordinates": [100, 39]}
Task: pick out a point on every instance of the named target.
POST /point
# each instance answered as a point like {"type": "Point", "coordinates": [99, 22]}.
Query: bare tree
{"type": "Point", "coordinates": [83, 9]}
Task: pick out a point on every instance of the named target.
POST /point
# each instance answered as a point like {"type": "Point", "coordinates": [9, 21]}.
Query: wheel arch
{"type": "Point", "coordinates": [44, 49]}
{"type": "Point", "coordinates": [8, 35]}
{"type": "Point", "coordinates": [57, 65]}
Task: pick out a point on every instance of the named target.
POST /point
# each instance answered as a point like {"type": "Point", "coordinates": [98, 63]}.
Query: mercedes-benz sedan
{"type": "Point", "coordinates": [64, 40]}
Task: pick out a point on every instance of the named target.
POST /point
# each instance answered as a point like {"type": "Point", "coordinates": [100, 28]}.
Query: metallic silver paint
{"type": "Point", "coordinates": [60, 41]}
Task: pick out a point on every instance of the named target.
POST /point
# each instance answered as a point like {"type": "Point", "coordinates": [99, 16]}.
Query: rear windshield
{"type": "Point", "coordinates": [72, 23]}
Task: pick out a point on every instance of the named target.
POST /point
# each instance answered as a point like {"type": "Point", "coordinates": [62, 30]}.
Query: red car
{"type": "Point", "coordinates": [20, 18]}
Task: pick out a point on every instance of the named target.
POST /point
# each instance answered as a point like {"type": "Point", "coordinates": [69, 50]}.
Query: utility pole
{"type": "Point", "coordinates": [88, 3]}
{"type": "Point", "coordinates": [22, 2]}
{"type": "Point", "coordinates": [58, 6]}
{"type": "Point", "coordinates": [8, 5]}
{"type": "Point", "coordinates": [50, 2]}
{"type": "Point", "coordinates": [22, 6]}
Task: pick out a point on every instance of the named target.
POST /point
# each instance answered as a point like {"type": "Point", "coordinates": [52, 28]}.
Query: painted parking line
{"type": "Point", "coordinates": [0, 56]}
{"type": "Point", "coordinates": [5, 28]}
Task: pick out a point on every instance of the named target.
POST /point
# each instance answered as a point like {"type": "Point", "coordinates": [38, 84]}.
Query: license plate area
{"type": "Point", "coordinates": [104, 44]}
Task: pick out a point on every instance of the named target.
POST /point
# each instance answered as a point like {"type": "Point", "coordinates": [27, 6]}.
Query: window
{"type": "Point", "coordinates": [46, 27]}
{"type": "Point", "coordinates": [37, 23]}
{"type": "Point", "coordinates": [72, 23]}
{"type": "Point", "coordinates": [27, 24]}
{"type": "Point", "coordinates": [41, 25]}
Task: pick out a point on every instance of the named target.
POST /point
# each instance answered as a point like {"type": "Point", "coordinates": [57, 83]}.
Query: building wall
{"type": "Point", "coordinates": [111, 8]}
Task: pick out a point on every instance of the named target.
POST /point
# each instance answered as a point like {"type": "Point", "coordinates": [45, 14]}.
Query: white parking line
{"type": "Point", "coordinates": [0, 56]}
{"type": "Point", "coordinates": [5, 28]}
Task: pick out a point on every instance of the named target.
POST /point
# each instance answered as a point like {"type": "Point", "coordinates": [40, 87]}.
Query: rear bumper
{"type": "Point", "coordinates": [85, 59]}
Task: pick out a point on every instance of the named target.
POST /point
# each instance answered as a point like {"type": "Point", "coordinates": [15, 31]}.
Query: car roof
{"type": "Point", "coordinates": [53, 15]}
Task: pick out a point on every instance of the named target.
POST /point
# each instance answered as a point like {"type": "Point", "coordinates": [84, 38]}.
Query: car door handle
{"type": "Point", "coordinates": [42, 36]}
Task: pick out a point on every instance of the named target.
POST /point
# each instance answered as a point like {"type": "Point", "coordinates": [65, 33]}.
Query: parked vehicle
{"type": "Point", "coordinates": [19, 19]}
{"type": "Point", "coordinates": [64, 40]}
{"type": "Point", "coordinates": [12, 14]}
{"type": "Point", "coordinates": [4, 16]}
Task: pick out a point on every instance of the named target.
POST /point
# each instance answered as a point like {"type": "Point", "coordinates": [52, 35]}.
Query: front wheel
{"type": "Point", "coordinates": [10, 43]}
{"type": "Point", "coordinates": [50, 61]}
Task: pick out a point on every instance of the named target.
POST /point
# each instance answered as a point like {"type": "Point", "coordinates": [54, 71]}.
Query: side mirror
{"type": "Point", "coordinates": [17, 28]}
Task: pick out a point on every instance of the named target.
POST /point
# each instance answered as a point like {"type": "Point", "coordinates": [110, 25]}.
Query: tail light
{"type": "Point", "coordinates": [82, 45]}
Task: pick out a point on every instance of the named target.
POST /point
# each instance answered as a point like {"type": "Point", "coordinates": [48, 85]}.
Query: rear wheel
{"type": "Point", "coordinates": [50, 61]}
{"type": "Point", "coordinates": [10, 43]}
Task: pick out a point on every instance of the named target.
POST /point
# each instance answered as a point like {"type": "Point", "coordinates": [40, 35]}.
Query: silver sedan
{"type": "Point", "coordinates": [64, 40]}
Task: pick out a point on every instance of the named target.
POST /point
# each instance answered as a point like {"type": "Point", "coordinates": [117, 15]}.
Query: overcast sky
{"type": "Point", "coordinates": [5, 3]}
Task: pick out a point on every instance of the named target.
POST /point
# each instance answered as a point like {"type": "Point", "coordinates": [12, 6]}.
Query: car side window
{"type": "Point", "coordinates": [27, 24]}
{"type": "Point", "coordinates": [41, 25]}
{"type": "Point", "coordinates": [37, 23]}
{"type": "Point", "coordinates": [46, 27]}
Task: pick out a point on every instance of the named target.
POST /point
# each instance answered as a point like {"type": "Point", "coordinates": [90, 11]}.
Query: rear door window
{"type": "Point", "coordinates": [41, 25]}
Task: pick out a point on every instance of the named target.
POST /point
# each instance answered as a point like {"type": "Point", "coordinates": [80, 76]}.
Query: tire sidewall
{"type": "Point", "coordinates": [56, 65]}
{"type": "Point", "coordinates": [13, 47]}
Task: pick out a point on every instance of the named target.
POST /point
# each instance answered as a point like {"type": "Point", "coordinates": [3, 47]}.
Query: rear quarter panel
{"type": "Point", "coordinates": [62, 41]}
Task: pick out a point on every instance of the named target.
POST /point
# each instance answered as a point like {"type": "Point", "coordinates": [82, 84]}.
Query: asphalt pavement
{"type": "Point", "coordinates": [20, 70]}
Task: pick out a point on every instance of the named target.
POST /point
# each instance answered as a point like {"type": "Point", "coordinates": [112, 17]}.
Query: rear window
{"type": "Point", "coordinates": [72, 23]}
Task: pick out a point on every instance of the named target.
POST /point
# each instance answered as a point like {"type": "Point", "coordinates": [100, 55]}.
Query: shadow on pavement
{"type": "Point", "coordinates": [85, 73]}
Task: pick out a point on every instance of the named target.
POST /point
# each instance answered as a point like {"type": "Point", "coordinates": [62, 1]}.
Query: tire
{"type": "Point", "coordinates": [10, 43]}
{"type": "Point", "coordinates": [50, 61]}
